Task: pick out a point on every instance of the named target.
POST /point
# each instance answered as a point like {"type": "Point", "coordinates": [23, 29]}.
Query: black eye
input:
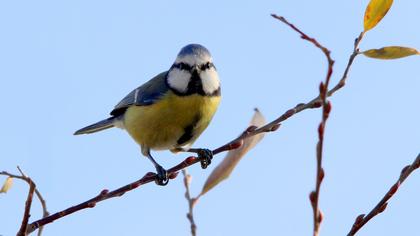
{"type": "Point", "coordinates": [206, 66]}
{"type": "Point", "coordinates": [183, 66]}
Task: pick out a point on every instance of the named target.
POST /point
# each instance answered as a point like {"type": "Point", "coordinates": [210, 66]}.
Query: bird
{"type": "Point", "coordinates": [171, 110]}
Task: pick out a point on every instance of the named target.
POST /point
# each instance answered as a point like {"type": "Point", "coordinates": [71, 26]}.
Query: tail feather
{"type": "Point", "coordinates": [98, 126]}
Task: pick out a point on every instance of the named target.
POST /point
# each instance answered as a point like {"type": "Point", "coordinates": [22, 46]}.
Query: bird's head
{"type": "Point", "coordinates": [194, 72]}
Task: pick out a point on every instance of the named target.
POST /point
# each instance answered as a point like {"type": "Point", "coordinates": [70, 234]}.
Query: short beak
{"type": "Point", "coordinates": [196, 69]}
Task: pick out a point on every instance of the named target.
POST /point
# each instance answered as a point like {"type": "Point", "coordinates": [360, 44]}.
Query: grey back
{"type": "Point", "coordinates": [144, 95]}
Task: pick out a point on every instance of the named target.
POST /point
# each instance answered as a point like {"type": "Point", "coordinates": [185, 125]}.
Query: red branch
{"type": "Point", "coordinates": [150, 177]}
{"type": "Point", "coordinates": [172, 172]}
{"type": "Point", "coordinates": [362, 219]}
{"type": "Point", "coordinates": [326, 108]}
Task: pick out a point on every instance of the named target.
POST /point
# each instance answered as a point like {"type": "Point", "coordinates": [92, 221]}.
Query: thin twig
{"type": "Point", "coordinates": [45, 212]}
{"type": "Point", "coordinates": [28, 180]}
{"type": "Point", "coordinates": [326, 108]}
{"type": "Point", "coordinates": [150, 177]}
{"type": "Point", "coordinates": [362, 219]}
{"type": "Point", "coordinates": [343, 79]}
{"type": "Point", "coordinates": [191, 202]}
{"type": "Point", "coordinates": [26, 214]}
{"type": "Point", "coordinates": [28, 204]}
{"type": "Point", "coordinates": [309, 39]}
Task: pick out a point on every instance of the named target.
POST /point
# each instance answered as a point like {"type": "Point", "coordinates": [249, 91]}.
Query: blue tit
{"type": "Point", "coordinates": [170, 111]}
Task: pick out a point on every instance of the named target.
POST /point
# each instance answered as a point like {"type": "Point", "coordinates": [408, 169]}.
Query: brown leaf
{"type": "Point", "coordinates": [225, 168]}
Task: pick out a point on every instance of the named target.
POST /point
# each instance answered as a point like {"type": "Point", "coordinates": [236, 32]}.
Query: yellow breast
{"type": "Point", "coordinates": [163, 124]}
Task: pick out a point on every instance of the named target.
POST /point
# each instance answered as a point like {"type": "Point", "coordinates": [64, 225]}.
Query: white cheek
{"type": "Point", "coordinates": [179, 79]}
{"type": "Point", "coordinates": [210, 80]}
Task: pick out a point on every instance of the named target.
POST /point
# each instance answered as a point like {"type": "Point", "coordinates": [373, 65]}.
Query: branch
{"type": "Point", "coordinates": [326, 109]}
{"type": "Point", "coordinates": [312, 40]}
{"type": "Point", "coordinates": [31, 184]}
{"type": "Point", "coordinates": [191, 202]}
{"type": "Point", "coordinates": [172, 172]}
{"type": "Point", "coordinates": [45, 213]}
{"type": "Point", "coordinates": [362, 219]}
{"type": "Point", "coordinates": [26, 214]}
{"type": "Point", "coordinates": [343, 79]}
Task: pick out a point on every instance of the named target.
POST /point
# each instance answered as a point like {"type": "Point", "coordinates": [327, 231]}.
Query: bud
{"type": "Point", "coordinates": [251, 128]}
{"type": "Point", "coordinates": [394, 188]}
{"type": "Point", "coordinates": [275, 127]}
{"type": "Point", "coordinates": [321, 130]}
{"type": "Point", "coordinates": [416, 165]}
{"type": "Point", "coordinates": [383, 207]}
{"type": "Point", "coordinates": [173, 175]}
{"type": "Point", "coordinates": [405, 169]}
{"type": "Point", "coordinates": [321, 216]}
{"type": "Point", "coordinates": [359, 219]}
{"type": "Point", "coordinates": [236, 144]}
{"type": "Point", "coordinates": [321, 175]}
{"type": "Point", "coordinates": [328, 107]}
{"type": "Point", "coordinates": [137, 184]}
{"type": "Point", "coordinates": [312, 198]}
{"type": "Point", "coordinates": [104, 192]}
{"type": "Point", "coordinates": [289, 113]}
{"type": "Point", "coordinates": [190, 160]}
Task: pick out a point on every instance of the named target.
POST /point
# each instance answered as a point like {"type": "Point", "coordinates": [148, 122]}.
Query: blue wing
{"type": "Point", "coordinates": [144, 95]}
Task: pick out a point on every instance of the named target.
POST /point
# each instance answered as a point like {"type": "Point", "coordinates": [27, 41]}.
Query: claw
{"type": "Point", "coordinates": [161, 176]}
{"type": "Point", "coordinates": [205, 156]}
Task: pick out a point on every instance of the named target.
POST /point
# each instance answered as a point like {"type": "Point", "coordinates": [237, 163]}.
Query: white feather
{"type": "Point", "coordinates": [179, 79]}
{"type": "Point", "coordinates": [210, 80]}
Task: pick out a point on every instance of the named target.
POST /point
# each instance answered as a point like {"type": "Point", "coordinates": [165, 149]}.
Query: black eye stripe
{"type": "Point", "coordinates": [183, 66]}
{"type": "Point", "coordinates": [206, 66]}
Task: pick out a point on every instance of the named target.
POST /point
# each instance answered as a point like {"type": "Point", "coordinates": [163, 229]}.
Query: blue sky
{"type": "Point", "coordinates": [65, 64]}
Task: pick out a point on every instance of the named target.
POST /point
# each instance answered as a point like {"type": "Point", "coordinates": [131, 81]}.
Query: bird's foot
{"type": "Point", "coordinates": [161, 176]}
{"type": "Point", "coordinates": [205, 156]}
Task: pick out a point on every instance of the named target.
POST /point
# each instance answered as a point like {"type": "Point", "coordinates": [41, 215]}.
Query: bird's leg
{"type": "Point", "coordinates": [162, 175]}
{"type": "Point", "coordinates": [204, 155]}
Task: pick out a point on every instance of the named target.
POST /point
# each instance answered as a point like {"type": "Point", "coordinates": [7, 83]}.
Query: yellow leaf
{"type": "Point", "coordinates": [375, 11]}
{"type": "Point", "coordinates": [7, 185]}
{"type": "Point", "coordinates": [225, 168]}
{"type": "Point", "coordinates": [392, 52]}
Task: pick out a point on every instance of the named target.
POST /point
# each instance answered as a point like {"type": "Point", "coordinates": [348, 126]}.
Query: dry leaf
{"type": "Point", "coordinates": [375, 11]}
{"type": "Point", "coordinates": [225, 168]}
{"type": "Point", "coordinates": [7, 185]}
{"type": "Point", "coordinates": [392, 52]}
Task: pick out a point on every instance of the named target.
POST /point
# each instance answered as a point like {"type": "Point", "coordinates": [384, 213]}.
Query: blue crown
{"type": "Point", "coordinates": [194, 49]}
